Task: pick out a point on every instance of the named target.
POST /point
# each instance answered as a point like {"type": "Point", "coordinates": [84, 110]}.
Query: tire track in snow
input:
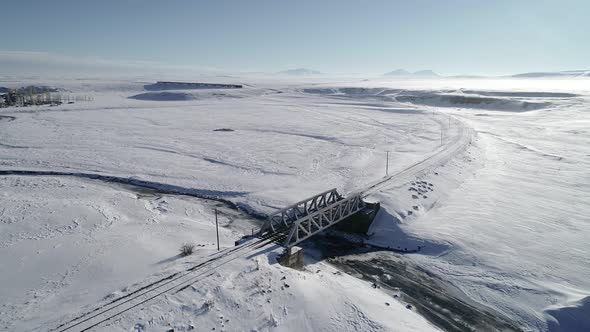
{"type": "Point", "coordinates": [525, 147]}
{"type": "Point", "coordinates": [212, 160]}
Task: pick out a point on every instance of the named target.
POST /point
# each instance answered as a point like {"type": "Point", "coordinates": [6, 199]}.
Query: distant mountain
{"type": "Point", "coordinates": [405, 73]}
{"type": "Point", "coordinates": [398, 72]}
{"type": "Point", "coordinates": [300, 72]}
{"type": "Point", "coordinates": [567, 73]}
{"type": "Point", "coordinates": [425, 73]}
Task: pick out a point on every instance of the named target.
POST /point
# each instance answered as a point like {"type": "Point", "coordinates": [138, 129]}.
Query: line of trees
{"type": "Point", "coordinates": [33, 96]}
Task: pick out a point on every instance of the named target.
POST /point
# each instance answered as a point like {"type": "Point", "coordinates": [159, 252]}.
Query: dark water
{"type": "Point", "coordinates": [434, 298]}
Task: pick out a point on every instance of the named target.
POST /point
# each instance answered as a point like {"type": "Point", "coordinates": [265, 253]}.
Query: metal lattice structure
{"type": "Point", "coordinates": [311, 216]}
{"type": "Point", "coordinates": [283, 219]}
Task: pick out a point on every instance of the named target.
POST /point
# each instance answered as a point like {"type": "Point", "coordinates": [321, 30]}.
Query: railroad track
{"type": "Point", "coordinates": [179, 281]}
{"type": "Point", "coordinates": [440, 156]}
{"type": "Point", "coordinates": [171, 284]}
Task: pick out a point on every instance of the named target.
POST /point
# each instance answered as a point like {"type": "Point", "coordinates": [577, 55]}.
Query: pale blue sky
{"type": "Point", "coordinates": [344, 36]}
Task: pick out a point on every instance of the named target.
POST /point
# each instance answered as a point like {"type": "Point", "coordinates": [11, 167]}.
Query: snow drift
{"type": "Point", "coordinates": [498, 101]}
{"type": "Point", "coordinates": [471, 101]}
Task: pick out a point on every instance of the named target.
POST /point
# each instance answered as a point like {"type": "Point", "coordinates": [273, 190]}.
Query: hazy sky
{"type": "Point", "coordinates": [340, 36]}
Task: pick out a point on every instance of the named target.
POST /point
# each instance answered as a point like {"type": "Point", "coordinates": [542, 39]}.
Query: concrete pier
{"type": "Point", "coordinates": [292, 257]}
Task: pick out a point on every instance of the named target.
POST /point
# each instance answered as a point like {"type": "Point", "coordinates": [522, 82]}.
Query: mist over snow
{"type": "Point", "coordinates": [567, 73]}
{"type": "Point", "coordinates": [404, 73]}
{"type": "Point", "coordinates": [44, 64]}
{"type": "Point", "coordinates": [300, 72]}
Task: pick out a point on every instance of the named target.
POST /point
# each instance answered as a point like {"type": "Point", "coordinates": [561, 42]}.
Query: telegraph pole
{"type": "Point", "coordinates": [387, 164]}
{"type": "Point", "coordinates": [217, 229]}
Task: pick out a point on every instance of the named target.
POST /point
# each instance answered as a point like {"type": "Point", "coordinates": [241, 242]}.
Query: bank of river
{"type": "Point", "coordinates": [434, 298]}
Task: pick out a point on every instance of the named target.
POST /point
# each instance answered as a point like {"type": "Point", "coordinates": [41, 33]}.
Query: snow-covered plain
{"type": "Point", "coordinates": [490, 175]}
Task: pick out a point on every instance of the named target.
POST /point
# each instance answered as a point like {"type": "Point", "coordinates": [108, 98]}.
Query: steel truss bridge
{"type": "Point", "coordinates": [311, 216]}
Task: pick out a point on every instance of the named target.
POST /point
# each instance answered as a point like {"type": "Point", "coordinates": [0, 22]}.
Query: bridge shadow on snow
{"type": "Point", "coordinates": [575, 317]}
{"type": "Point", "coordinates": [387, 236]}
{"type": "Point", "coordinates": [388, 233]}
{"type": "Point", "coordinates": [269, 252]}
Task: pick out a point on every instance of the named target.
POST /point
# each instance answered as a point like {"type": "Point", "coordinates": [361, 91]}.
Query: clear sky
{"type": "Point", "coordinates": [334, 36]}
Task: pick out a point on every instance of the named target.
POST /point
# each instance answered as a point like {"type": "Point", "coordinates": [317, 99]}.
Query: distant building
{"type": "Point", "coordinates": [165, 85]}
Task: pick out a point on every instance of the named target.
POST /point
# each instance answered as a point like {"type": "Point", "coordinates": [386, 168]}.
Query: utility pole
{"type": "Point", "coordinates": [217, 229]}
{"type": "Point", "coordinates": [387, 164]}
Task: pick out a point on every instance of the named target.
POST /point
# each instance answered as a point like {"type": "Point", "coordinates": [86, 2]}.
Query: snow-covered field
{"type": "Point", "coordinates": [489, 175]}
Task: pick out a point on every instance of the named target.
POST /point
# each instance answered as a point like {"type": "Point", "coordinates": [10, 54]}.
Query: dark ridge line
{"type": "Point", "coordinates": [163, 188]}
{"type": "Point", "coordinates": [7, 118]}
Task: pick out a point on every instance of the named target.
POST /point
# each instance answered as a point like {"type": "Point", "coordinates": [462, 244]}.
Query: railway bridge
{"type": "Point", "coordinates": [310, 216]}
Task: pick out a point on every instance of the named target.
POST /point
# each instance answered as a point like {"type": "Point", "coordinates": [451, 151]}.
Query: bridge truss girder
{"type": "Point", "coordinates": [323, 218]}
{"type": "Point", "coordinates": [285, 218]}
